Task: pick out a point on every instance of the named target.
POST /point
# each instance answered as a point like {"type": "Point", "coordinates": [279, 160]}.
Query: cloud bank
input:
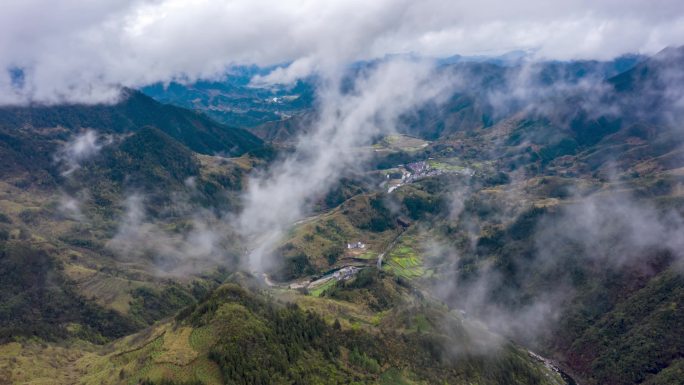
{"type": "Point", "coordinates": [72, 51]}
{"type": "Point", "coordinates": [203, 243]}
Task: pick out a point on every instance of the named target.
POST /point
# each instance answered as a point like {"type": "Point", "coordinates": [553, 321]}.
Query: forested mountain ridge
{"type": "Point", "coordinates": [135, 110]}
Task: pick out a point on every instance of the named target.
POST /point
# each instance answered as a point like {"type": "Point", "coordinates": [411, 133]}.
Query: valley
{"type": "Point", "coordinates": [478, 240]}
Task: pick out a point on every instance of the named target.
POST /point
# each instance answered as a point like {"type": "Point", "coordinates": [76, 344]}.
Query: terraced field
{"type": "Point", "coordinates": [405, 258]}
{"type": "Point", "coordinates": [400, 142]}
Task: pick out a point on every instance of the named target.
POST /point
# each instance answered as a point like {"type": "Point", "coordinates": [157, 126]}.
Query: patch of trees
{"type": "Point", "coordinates": [333, 253]}
{"type": "Point", "coordinates": [149, 158]}
{"type": "Point", "coordinates": [419, 205]}
{"type": "Point", "coordinates": [36, 301]}
{"type": "Point", "coordinates": [284, 350]}
{"type": "Point", "coordinates": [259, 342]}
{"type": "Point", "coordinates": [385, 161]}
{"type": "Point", "coordinates": [620, 333]}
{"type": "Point", "coordinates": [525, 224]}
{"type": "Point", "coordinates": [149, 305]}
{"type": "Point", "coordinates": [491, 242]}
{"type": "Point", "coordinates": [379, 218]}
{"type": "Point", "coordinates": [566, 146]}
{"type": "Point", "coordinates": [343, 190]}
{"type": "Point", "coordinates": [619, 328]}
{"type": "Point", "coordinates": [496, 179]}
{"type": "Point", "coordinates": [295, 266]}
{"type": "Point", "coordinates": [196, 131]}
{"type": "Point", "coordinates": [5, 219]}
{"type": "Point", "coordinates": [589, 130]}
{"type": "Point", "coordinates": [368, 287]}
{"type": "Point", "coordinates": [481, 207]}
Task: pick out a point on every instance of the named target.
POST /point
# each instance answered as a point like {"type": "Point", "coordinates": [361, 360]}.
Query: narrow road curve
{"type": "Point", "coordinates": [389, 247]}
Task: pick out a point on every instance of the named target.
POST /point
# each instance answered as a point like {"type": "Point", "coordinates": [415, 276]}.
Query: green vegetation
{"type": "Point", "coordinates": [316, 245]}
{"type": "Point", "coordinates": [345, 189]}
{"type": "Point", "coordinates": [367, 255]}
{"type": "Point", "coordinates": [255, 340]}
{"type": "Point", "coordinates": [148, 159]}
{"type": "Point", "coordinates": [618, 329]}
{"type": "Point", "coordinates": [370, 287]}
{"type": "Point", "coordinates": [37, 301]}
{"type": "Point", "coordinates": [319, 290]}
{"type": "Point", "coordinates": [196, 131]}
{"type": "Point", "coordinates": [405, 259]}
{"type": "Point", "coordinates": [150, 305]}
{"type": "Point", "coordinates": [634, 341]}
{"type": "Point", "coordinates": [244, 106]}
{"type": "Point", "coordinates": [73, 310]}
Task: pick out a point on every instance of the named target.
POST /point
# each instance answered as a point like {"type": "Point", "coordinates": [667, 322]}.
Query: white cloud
{"type": "Point", "coordinates": [80, 148]}
{"type": "Point", "coordinates": [615, 230]}
{"type": "Point", "coordinates": [346, 122]}
{"type": "Point", "coordinates": [81, 52]}
{"type": "Point", "coordinates": [204, 244]}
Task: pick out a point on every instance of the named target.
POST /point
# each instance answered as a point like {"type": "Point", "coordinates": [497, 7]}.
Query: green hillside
{"type": "Point", "coordinates": [490, 240]}
{"type": "Point", "coordinates": [241, 336]}
{"type": "Point", "coordinates": [194, 130]}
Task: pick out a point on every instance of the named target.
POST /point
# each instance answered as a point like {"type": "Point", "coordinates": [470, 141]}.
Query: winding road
{"type": "Point", "coordinates": [381, 256]}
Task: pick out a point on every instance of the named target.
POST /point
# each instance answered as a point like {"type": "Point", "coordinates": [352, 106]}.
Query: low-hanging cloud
{"type": "Point", "coordinates": [336, 142]}
{"type": "Point", "coordinates": [347, 121]}
{"type": "Point", "coordinates": [71, 205]}
{"type": "Point", "coordinates": [78, 149]}
{"type": "Point", "coordinates": [201, 245]}
{"type": "Point", "coordinates": [609, 231]}
{"type": "Point", "coordinates": [605, 231]}
{"type": "Point", "coordinates": [613, 229]}
{"type": "Point", "coordinates": [76, 52]}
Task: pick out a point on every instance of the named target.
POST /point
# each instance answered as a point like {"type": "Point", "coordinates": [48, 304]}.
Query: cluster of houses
{"type": "Point", "coordinates": [412, 172]}
{"type": "Point", "coordinates": [345, 273]}
{"type": "Point", "coordinates": [418, 167]}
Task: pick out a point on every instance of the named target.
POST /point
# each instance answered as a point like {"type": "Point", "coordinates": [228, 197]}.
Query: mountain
{"type": "Point", "coordinates": [194, 130]}
{"type": "Point", "coordinates": [492, 230]}
{"type": "Point", "coordinates": [477, 103]}
{"type": "Point", "coordinates": [237, 335]}
{"type": "Point", "coordinates": [67, 282]}
{"type": "Point", "coordinates": [284, 131]}
{"type": "Point", "coordinates": [517, 172]}
{"type": "Point", "coordinates": [653, 73]}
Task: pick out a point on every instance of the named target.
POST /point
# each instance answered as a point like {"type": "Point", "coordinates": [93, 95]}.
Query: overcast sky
{"type": "Point", "coordinates": [80, 50]}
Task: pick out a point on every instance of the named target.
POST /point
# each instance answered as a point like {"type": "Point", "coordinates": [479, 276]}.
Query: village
{"type": "Point", "coordinates": [415, 171]}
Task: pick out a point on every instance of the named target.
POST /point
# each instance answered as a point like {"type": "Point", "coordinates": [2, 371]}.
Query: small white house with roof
{"type": "Point", "coordinates": [356, 245]}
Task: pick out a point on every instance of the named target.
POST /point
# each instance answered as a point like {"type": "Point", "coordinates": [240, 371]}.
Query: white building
{"type": "Point", "coordinates": [357, 245]}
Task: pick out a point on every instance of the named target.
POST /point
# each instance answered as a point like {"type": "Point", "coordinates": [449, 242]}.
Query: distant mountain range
{"type": "Point", "coordinates": [274, 113]}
